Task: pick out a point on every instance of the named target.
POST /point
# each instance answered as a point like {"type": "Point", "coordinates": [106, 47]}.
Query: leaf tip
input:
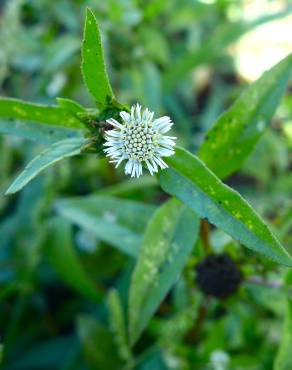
{"type": "Point", "coordinates": [10, 191]}
{"type": "Point", "coordinates": [89, 13]}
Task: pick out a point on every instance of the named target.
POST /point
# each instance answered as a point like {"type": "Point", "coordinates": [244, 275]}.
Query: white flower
{"type": "Point", "coordinates": [139, 140]}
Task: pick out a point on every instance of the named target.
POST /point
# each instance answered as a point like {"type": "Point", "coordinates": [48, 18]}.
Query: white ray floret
{"type": "Point", "coordinates": [140, 141]}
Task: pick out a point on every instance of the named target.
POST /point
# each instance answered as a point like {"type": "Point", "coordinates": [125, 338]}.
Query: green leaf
{"type": "Point", "coordinates": [70, 106]}
{"type": "Point", "coordinates": [25, 111]}
{"type": "Point", "coordinates": [193, 183]}
{"type": "Point", "coordinates": [93, 66]}
{"type": "Point", "coordinates": [236, 132]}
{"type": "Point", "coordinates": [56, 152]}
{"type": "Point", "coordinates": [129, 186]}
{"type": "Point", "coordinates": [42, 134]}
{"type": "Point", "coordinates": [168, 241]}
{"type": "Point", "coordinates": [98, 345]}
{"type": "Point", "coordinates": [62, 256]}
{"type": "Point", "coordinates": [118, 222]}
{"type": "Point", "coordinates": [118, 325]}
{"type": "Point", "coordinates": [283, 360]}
{"type": "Point", "coordinates": [51, 353]}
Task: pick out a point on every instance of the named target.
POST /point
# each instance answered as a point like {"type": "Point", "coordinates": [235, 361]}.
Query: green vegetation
{"type": "Point", "coordinates": [187, 269]}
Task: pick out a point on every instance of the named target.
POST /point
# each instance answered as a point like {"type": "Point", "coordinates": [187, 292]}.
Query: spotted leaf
{"type": "Point", "coordinates": [193, 183]}
{"type": "Point", "coordinates": [236, 132]}
{"type": "Point", "coordinates": [168, 241]}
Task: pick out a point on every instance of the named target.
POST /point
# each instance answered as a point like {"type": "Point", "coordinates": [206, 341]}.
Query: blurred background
{"type": "Point", "coordinates": [188, 59]}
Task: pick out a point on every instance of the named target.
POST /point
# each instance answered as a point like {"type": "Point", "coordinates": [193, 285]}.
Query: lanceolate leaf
{"type": "Point", "coordinates": [93, 66]}
{"type": "Point", "coordinates": [63, 258]}
{"type": "Point", "coordinates": [234, 135]}
{"type": "Point", "coordinates": [118, 325]}
{"type": "Point", "coordinates": [116, 221]}
{"type": "Point", "coordinates": [193, 183]}
{"type": "Point", "coordinates": [25, 111]}
{"type": "Point", "coordinates": [168, 241]}
{"type": "Point", "coordinates": [42, 134]}
{"type": "Point", "coordinates": [283, 359]}
{"type": "Point", "coordinates": [129, 186]}
{"type": "Point", "coordinates": [98, 345]}
{"type": "Point", "coordinates": [56, 152]}
{"type": "Point", "coordinates": [71, 105]}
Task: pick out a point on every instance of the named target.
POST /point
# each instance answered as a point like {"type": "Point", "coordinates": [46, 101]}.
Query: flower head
{"type": "Point", "coordinates": [139, 140]}
{"type": "Point", "coordinates": [218, 275]}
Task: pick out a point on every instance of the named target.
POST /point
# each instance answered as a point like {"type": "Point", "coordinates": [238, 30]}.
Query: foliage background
{"type": "Point", "coordinates": [181, 57]}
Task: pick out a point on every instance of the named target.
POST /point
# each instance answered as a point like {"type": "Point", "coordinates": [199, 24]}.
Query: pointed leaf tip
{"type": "Point", "coordinates": [189, 179]}
{"type": "Point", "coordinates": [93, 65]}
